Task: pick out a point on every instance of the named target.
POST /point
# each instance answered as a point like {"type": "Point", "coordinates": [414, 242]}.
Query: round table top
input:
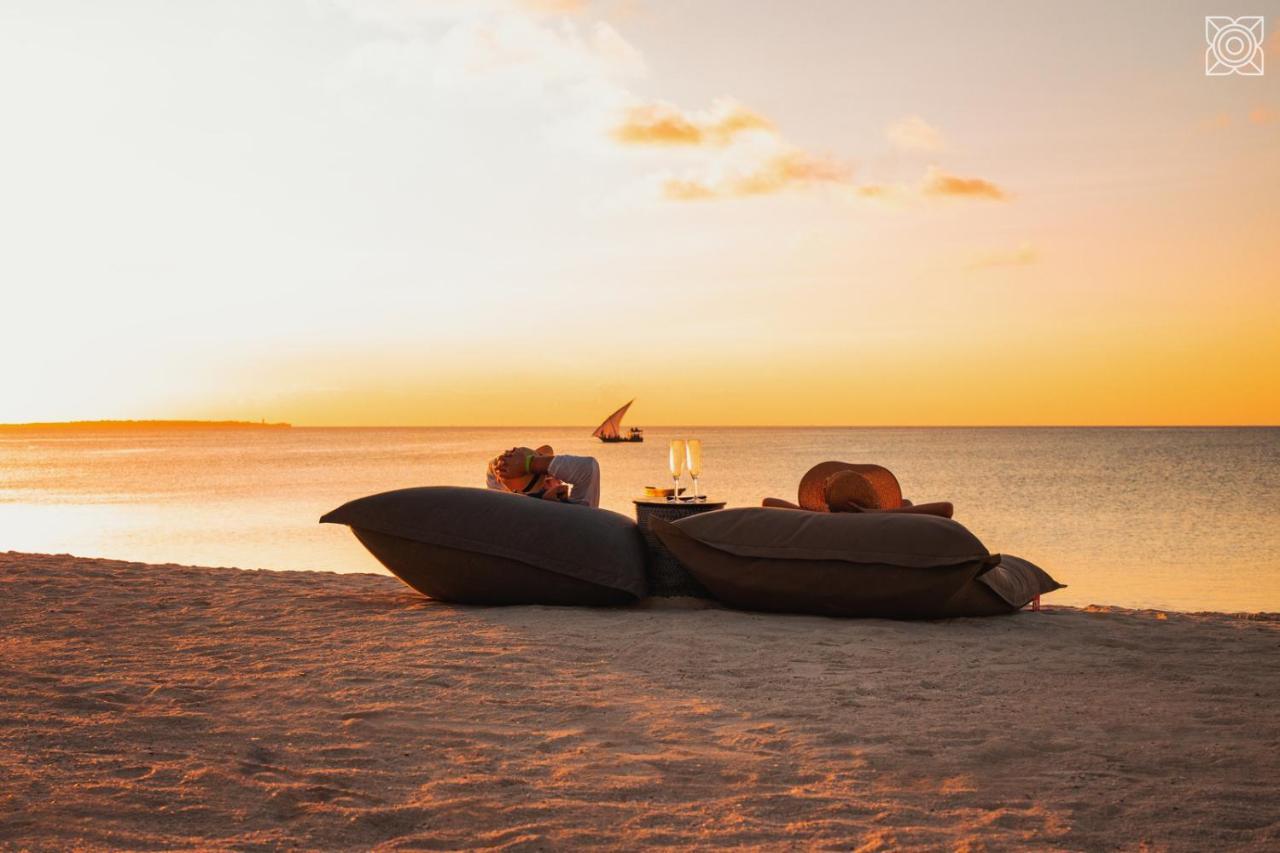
{"type": "Point", "coordinates": [687, 504]}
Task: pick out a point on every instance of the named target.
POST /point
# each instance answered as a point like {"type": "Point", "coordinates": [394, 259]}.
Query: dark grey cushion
{"type": "Point", "coordinates": [1017, 581]}
{"type": "Point", "coordinates": [838, 564]}
{"type": "Point", "coordinates": [594, 546]}
{"type": "Point", "coordinates": [1006, 587]}
{"type": "Point", "coordinates": [914, 541]}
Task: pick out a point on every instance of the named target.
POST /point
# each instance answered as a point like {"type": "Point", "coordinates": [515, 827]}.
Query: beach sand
{"type": "Point", "coordinates": [162, 706]}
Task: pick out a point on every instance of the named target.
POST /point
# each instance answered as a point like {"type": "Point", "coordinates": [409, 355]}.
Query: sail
{"type": "Point", "coordinates": [612, 424]}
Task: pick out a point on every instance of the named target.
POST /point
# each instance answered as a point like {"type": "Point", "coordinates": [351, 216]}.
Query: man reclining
{"type": "Point", "coordinates": [541, 474]}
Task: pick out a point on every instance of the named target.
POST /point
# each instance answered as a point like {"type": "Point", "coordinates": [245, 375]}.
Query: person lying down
{"type": "Point", "coordinates": [845, 487]}
{"type": "Point", "coordinates": [540, 473]}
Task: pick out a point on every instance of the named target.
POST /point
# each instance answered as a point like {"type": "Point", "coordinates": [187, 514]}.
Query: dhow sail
{"type": "Point", "coordinates": [612, 426]}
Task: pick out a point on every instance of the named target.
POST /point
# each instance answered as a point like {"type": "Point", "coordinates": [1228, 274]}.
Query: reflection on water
{"type": "Point", "coordinates": [1177, 518]}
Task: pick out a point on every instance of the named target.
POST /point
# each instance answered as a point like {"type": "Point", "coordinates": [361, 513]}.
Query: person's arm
{"type": "Point", "coordinates": [580, 472]}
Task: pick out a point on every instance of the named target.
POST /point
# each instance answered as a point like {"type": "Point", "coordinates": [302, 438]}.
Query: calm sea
{"type": "Point", "coordinates": [1185, 519]}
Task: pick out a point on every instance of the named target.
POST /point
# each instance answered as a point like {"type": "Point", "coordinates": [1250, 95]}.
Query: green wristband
{"type": "Point", "coordinates": [528, 460]}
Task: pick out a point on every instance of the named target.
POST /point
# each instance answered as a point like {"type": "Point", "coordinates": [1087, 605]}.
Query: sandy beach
{"type": "Point", "coordinates": [149, 707]}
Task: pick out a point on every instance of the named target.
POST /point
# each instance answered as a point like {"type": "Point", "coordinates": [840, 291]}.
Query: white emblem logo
{"type": "Point", "coordinates": [1235, 46]}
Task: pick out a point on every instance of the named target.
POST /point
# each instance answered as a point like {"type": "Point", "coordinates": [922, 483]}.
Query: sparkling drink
{"type": "Point", "coordinates": [693, 461]}
{"type": "Point", "coordinates": [675, 461]}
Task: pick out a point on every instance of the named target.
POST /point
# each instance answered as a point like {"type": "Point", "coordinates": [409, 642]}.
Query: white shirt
{"type": "Point", "coordinates": [582, 473]}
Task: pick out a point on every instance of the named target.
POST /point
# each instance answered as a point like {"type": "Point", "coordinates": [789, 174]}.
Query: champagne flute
{"type": "Point", "coordinates": [675, 460]}
{"type": "Point", "coordinates": [693, 461]}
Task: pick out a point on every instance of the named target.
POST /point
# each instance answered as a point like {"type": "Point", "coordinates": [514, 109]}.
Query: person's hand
{"type": "Point", "coordinates": [556, 491]}
{"type": "Point", "coordinates": [511, 464]}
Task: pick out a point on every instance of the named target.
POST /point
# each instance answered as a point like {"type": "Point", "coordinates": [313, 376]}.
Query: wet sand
{"type": "Point", "coordinates": [173, 707]}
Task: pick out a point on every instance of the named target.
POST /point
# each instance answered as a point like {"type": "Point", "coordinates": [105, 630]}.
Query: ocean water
{"type": "Point", "coordinates": [1185, 519]}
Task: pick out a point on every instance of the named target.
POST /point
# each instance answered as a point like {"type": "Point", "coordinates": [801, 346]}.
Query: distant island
{"type": "Point", "coordinates": [142, 425]}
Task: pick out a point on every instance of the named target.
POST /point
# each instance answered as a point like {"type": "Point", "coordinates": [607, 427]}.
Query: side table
{"type": "Point", "coordinates": [667, 578]}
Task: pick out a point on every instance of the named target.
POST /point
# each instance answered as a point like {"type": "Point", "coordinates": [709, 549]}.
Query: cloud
{"type": "Point", "coordinates": [1221, 121]}
{"type": "Point", "coordinates": [939, 183]}
{"type": "Point", "coordinates": [1263, 116]}
{"type": "Point", "coordinates": [914, 134]}
{"type": "Point", "coordinates": [519, 50]}
{"type": "Point", "coordinates": [660, 123]}
{"type": "Point", "coordinates": [791, 168]}
{"type": "Point", "coordinates": [1022, 256]}
{"type": "Point", "coordinates": [686, 189]}
{"type": "Point", "coordinates": [742, 153]}
{"type": "Point", "coordinates": [556, 7]}
{"type": "Point", "coordinates": [543, 65]}
{"type": "Point", "coordinates": [406, 15]}
{"type": "Point", "coordinates": [458, 45]}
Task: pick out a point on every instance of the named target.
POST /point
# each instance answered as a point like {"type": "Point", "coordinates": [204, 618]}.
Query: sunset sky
{"type": "Point", "coordinates": [434, 212]}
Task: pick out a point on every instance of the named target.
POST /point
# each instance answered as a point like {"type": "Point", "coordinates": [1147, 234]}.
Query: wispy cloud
{"type": "Point", "coordinates": [914, 134]}
{"type": "Point", "coordinates": [1221, 121]}
{"type": "Point", "coordinates": [1261, 116]}
{"type": "Point", "coordinates": [464, 45]}
{"type": "Point", "coordinates": [1022, 256]}
{"type": "Point", "coordinates": [574, 72]}
{"type": "Point", "coordinates": [555, 7]}
{"type": "Point", "coordinates": [515, 49]}
{"type": "Point", "coordinates": [404, 15]}
{"type": "Point", "coordinates": [687, 189]}
{"type": "Point", "coordinates": [660, 123]}
{"type": "Point", "coordinates": [741, 151]}
{"type": "Point", "coordinates": [788, 169]}
{"type": "Point", "coordinates": [940, 183]}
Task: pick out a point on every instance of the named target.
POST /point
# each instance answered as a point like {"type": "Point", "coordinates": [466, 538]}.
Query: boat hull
{"type": "Point", "coordinates": [622, 439]}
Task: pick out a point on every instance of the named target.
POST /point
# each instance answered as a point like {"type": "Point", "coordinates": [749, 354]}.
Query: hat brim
{"type": "Point", "coordinates": [883, 484]}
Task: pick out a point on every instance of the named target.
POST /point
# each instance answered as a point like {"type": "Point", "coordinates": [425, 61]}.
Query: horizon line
{"type": "Point", "coordinates": [141, 423]}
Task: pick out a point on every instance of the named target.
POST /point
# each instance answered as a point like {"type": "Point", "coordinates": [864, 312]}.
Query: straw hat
{"type": "Point", "coordinates": [843, 485]}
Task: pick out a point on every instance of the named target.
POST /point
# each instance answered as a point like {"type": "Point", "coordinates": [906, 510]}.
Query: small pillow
{"type": "Point", "coordinates": [1016, 581]}
{"type": "Point", "coordinates": [482, 546]}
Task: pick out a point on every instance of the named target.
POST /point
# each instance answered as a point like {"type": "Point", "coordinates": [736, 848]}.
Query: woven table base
{"type": "Point", "coordinates": [667, 577]}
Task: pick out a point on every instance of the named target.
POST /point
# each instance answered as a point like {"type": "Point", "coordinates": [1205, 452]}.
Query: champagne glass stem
{"type": "Point", "coordinates": [675, 491]}
{"type": "Point", "coordinates": [695, 490]}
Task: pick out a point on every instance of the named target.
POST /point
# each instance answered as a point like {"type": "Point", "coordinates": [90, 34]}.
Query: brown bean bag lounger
{"type": "Point", "coordinates": [837, 564]}
{"type": "Point", "coordinates": [888, 565]}
{"type": "Point", "coordinates": [478, 546]}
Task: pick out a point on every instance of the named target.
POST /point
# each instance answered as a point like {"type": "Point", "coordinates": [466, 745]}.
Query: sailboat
{"type": "Point", "coordinates": [611, 430]}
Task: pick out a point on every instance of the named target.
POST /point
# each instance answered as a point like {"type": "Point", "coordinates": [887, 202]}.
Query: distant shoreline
{"type": "Point", "coordinates": [140, 425]}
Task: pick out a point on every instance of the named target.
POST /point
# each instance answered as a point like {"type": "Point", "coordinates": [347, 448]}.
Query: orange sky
{"type": "Point", "coordinates": [499, 212]}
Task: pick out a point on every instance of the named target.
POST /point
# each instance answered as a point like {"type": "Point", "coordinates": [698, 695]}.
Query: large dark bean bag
{"type": "Point", "coordinates": [1005, 588]}
{"type": "Point", "coordinates": [835, 564]}
{"type": "Point", "coordinates": [479, 546]}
